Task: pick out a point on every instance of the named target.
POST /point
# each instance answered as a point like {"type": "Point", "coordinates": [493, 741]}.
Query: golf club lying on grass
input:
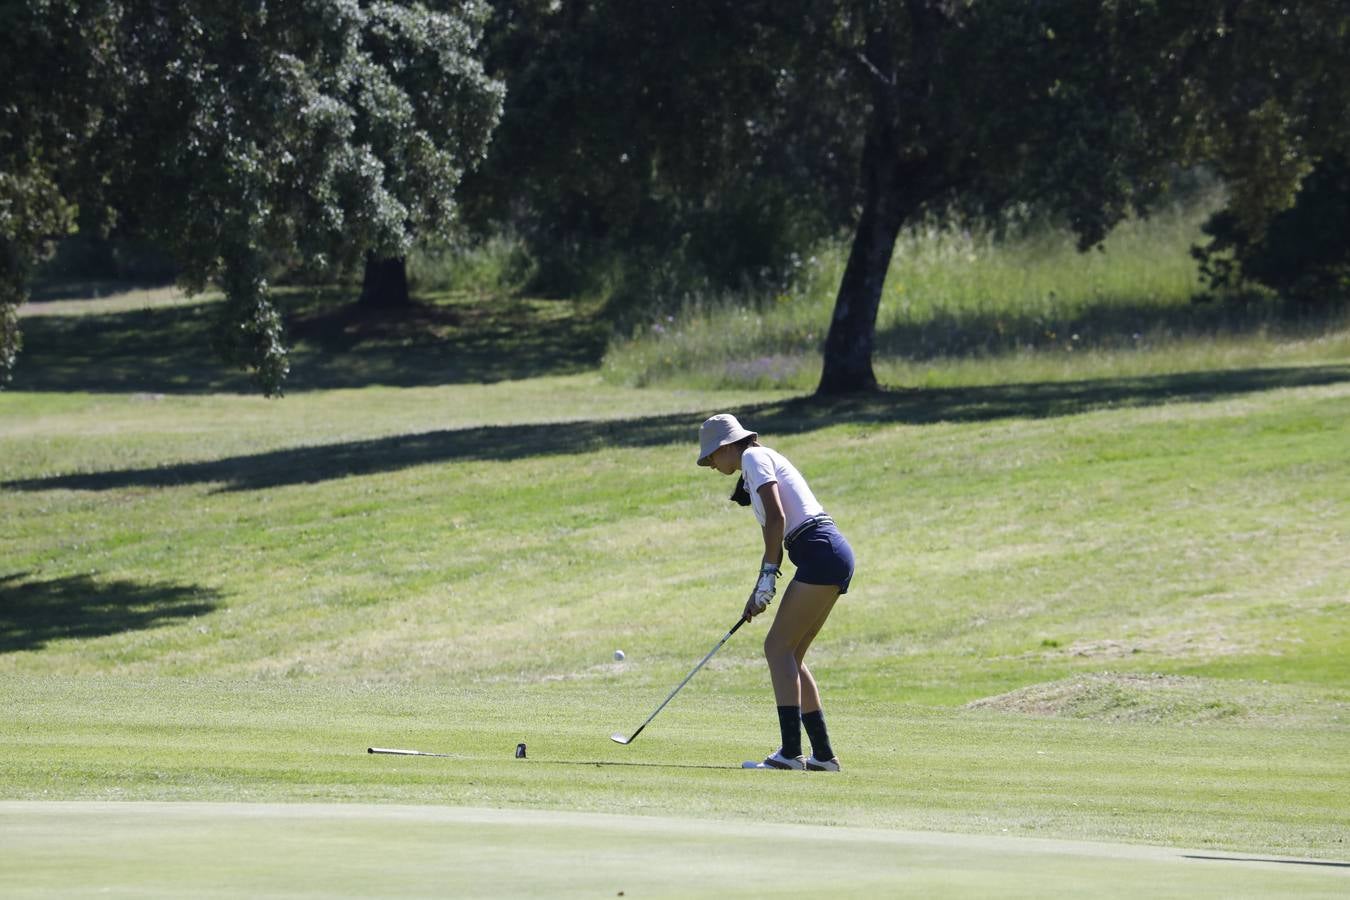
{"type": "Point", "coordinates": [394, 752]}
{"type": "Point", "coordinates": [618, 738]}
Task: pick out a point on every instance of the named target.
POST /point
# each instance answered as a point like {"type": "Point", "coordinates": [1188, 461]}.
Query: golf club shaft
{"type": "Point", "coordinates": [726, 637]}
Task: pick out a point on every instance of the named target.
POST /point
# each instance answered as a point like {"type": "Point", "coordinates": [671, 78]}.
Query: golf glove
{"type": "Point", "coordinates": [765, 588]}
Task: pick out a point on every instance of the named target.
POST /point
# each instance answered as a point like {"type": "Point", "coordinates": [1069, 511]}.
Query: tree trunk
{"type": "Point", "coordinates": [385, 285]}
{"type": "Point", "coordinates": [894, 187]}
{"type": "Point", "coordinates": [852, 335]}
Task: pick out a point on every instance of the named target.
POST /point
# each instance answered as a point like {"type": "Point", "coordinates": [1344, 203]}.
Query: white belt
{"type": "Point", "coordinates": [818, 519]}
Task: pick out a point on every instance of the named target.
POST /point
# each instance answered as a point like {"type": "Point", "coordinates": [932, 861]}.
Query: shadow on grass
{"type": "Point", "coordinates": [1256, 859]}
{"type": "Point", "coordinates": [91, 288]}
{"type": "Point", "coordinates": [159, 350]}
{"type": "Point", "coordinates": [459, 338]}
{"type": "Point", "coordinates": [1099, 326]}
{"type": "Point", "coordinates": [309, 465]}
{"type": "Point", "coordinates": [34, 613]}
{"type": "Point", "coordinates": [333, 342]}
{"type": "Point", "coordinates": [342, 345]}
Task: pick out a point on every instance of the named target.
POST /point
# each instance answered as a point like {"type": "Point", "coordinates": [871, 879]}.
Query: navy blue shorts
{"type": "Point", "coordinates": [822, 556]}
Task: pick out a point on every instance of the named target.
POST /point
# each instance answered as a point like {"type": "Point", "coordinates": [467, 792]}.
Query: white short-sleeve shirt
{"type": "Point", "coordinates": [762, 466]}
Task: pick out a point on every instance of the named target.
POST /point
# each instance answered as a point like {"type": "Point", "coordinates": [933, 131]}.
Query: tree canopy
{"type": "Point", "coordinates": [238, 132]}
{"type": "Point", "coordinates": [1082, 109]}
{"type": "Point", "coordinates": [687, 137]}
{"type": "Point", "coordinates": [872, 112]}
{"type": "Point", "coordinates": [721, 134]}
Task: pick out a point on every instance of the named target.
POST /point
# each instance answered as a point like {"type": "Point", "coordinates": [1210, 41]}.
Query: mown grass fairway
{"type": "Point", "coordinates": [361, 851]}
{"type": "Point", "coordinates": [1105, 609]}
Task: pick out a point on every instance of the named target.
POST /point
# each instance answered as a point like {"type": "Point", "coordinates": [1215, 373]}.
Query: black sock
{"type": "Point", "coordinates": [820, 738]}
{"type": "Point", "coordinates": [790, 723]}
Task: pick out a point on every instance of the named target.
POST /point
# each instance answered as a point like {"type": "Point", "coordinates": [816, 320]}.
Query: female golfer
{"type": "Point", "coordinates": [789, 516]}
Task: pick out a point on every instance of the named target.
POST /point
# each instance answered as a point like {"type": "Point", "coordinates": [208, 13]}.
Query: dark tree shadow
{"type": "Point", "coordinates": [307, 465]}
{"type": "Point", "coordinates": [989, 331]}
{"type": "Point", "coordinates": [58, 289]}
{"type": "Point", "coordinates": [158, 350]}
{"type": "Point", "coordinates": [35, 612]}
{"type": "Point", "coordinates": [343, 345]}
{"type": "Point", "coordinates": [452, 338]}
{"type": "Point", "coordinates": [334, 343]}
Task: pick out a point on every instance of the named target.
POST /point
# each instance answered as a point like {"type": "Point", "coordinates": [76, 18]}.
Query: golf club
{"type": "Point", "coordinates": [393, 752]}
{"type": "Point", "coordinates": [618, 738]}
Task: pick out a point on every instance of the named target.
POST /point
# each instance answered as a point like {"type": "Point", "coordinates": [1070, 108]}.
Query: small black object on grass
{"type": "Point", "coordinates": [520, 751]}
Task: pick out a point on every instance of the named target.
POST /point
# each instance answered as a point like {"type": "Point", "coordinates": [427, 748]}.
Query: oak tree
{"type": "Point", "coordinates": [233, 133]}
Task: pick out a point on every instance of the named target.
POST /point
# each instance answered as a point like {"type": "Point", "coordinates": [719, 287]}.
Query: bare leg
{"type": "Point", "coordinates": [809, 692]}
{"type": "Point", "coordinates": [804, 609]}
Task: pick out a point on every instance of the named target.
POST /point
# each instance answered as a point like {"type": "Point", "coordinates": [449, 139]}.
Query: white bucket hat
{"type": "Point", "coordinates": [719, 431]}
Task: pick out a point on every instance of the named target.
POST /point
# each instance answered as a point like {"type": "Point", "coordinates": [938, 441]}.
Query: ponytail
{"type": "Point", "coordinates": [740, 495]}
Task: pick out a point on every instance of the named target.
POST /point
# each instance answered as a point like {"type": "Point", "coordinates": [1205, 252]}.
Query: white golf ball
{"type": "Point", "coordinates": [618, 655]}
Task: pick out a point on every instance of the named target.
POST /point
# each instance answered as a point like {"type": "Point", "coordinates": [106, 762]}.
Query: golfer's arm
{"type": "Point", "coordinates": [773, 523]}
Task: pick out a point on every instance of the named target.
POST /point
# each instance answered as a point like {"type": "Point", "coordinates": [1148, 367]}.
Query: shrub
{"type": "Point", "coordinates": [1304, 254]}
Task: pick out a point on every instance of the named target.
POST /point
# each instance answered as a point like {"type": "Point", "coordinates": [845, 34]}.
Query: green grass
{"type": "Point", "coordinates": [1101, 606]}
{"type": "Point", "coordinates": [494, 265]}
{"type": "Point", "coordinates": [155, 341]}
{"type": "Point", "coordinates": [327, 851]}
{"type": "Point", "coordinates": [910, 766]}
{"type": "Point", "coordinates": [964, 307]}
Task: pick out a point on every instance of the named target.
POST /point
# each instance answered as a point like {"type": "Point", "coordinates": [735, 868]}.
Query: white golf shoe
{"type": "Point", "coordinates": [822, 765]}
{"type": "Point", "coordinates": [777, 760]}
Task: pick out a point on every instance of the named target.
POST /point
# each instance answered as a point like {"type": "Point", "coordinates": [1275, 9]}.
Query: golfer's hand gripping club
{"type": "Point", "coordinates": [765, 588]}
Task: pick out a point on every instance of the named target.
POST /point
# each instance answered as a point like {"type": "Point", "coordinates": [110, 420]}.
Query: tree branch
{"type": "Point", "coordinates": [877, 73]}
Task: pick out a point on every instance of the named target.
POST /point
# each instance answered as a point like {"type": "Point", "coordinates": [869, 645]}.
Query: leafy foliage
{"type": "Point", "coordinates": [1085, 110]}
{"type": "Point", "coordinates": [702, 141]}
{"type": "Point", "coordinates": [1304, 253]}
{"type": "Point", "coordinates": [323, 128]}
{"type": "Point", "coordinates": [47, 113]}
{"type": "Point", "coordinates": [679, 144]}
{"type": "Point", "coordinates": [719, 120]}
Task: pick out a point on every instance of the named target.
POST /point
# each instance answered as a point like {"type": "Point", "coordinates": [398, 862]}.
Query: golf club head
{"type": "Point", "coordinates": [618, 738]}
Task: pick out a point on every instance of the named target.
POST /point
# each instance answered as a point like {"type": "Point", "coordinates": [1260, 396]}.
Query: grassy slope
{"type": "Point", "coordinates": [217, 597]}
{"type": "Point", "coordinates": [1188, 537]}
{"type": "Point", "coordinates": [967, 308]}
